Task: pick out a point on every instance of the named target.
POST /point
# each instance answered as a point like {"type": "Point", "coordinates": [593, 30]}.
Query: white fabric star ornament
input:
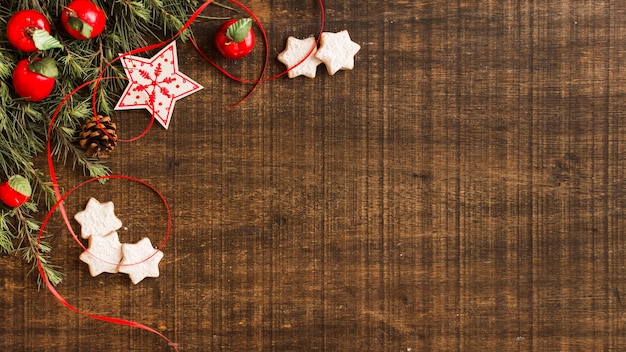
{"type": "Point", "coordinates": [155, 84]}
{"type": "Point", "coordinates": [98, 219]}
{"type": "Point", "coordinates": [295, 51]}
{"type": "Point", "coordinates": [140, 260]}
{"type": "Point", "coordinates": [103, 254]}
{"type": "Point", "coordinates": [337, 51]}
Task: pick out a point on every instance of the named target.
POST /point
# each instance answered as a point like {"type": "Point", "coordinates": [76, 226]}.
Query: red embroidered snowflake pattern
{"type": "Point", "coordinates": [155, 84]}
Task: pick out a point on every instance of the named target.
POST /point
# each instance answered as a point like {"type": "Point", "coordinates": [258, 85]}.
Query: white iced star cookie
{"type": "Point", "coordinates": [98, 219]}
{"type": "Point", "coordinates": [103, 254]}
{"type": "Point", "coordinates": [295, 51]}
{"type": "Point", "coordinates": [337, 51]}
{"type": "Point", "coordinates": [140, 260]}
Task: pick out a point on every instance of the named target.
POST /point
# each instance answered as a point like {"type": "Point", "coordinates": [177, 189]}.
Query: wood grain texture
{"type": "Point", "coordinates": [460, 190]}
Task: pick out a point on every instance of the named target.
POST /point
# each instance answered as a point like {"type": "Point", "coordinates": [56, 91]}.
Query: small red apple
{"type": "Point", "coordinates": [235, 38]}
{"type": "Point", "coordinates": [83, 19]}
{"type": "Point", "coordinates": [29, 30]}
{"type": "Point", "coordinates": [34, 81]}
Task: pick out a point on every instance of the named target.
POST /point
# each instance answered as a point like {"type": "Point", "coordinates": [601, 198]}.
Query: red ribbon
{"type": "Point", "coordinates": [59, 204]}
{"type": "Point", "coordinates": [261, 79]}
{"type": "Point", "coordinates": [61, 197]}
{"type": "Point", "coordinates": [51, 288]}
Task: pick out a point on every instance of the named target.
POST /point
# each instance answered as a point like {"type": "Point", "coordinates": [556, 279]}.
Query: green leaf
{"type": "Point", "coordinates": [45, 67]}
{"type": "Point", "coordinates": [86, 31]}
{"type": "Point", "coordinates": [20, 184]}
{"type": "Point", "coordinates": [74, 22]}
{"type": "Point", "coordinates": [44, 41]}
{"type": "Point", "coordinates": [239, 30]}
{"type": "Point", "coordinates": [80, 25]}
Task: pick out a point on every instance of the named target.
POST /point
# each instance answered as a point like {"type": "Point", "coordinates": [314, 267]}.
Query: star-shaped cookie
{"type": "Point", "coordinates": [103, 254]}
{"type": "Point", "coordinates": [140, 260]}
{"type": "Point", "coordinates": [337, 51]}
{"type": "Point", "coordinates": [98, 219]}
{"type": "Point", "coordinates": [155, 84]}
{"type": "Point", "coordinates": [295, 51]}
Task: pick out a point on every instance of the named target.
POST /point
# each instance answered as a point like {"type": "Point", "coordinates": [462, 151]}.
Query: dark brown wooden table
{"type": "Point", "coordinates": [460, 190]}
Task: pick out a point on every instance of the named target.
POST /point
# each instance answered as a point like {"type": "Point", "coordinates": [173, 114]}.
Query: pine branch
{"type": "Point", "coordinates": [18, 223]}
{"type": "Point", "coordinates": [6, 234]}
{"type": "Point", "coordinates": [24, 125]}
{"type": "Point", "coordinates": [37, 249]}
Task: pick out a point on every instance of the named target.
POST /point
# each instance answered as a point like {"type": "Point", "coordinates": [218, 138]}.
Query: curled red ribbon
{"type": "Point", "coordinates": [61, 197]}
{"type": "Point", "coordinates": [261, 79]}
{"type": "Point", "coordinates": [59, 204]}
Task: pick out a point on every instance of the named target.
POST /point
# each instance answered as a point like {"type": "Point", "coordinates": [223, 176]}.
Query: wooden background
{"type": "Point", "coordinates": [460, 190]}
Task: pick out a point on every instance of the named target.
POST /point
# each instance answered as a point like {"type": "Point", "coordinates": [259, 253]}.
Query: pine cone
{"type": "Point", "coordinates": [94, 140]}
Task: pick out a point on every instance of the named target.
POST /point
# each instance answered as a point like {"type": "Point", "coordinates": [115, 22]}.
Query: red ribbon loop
{"type": "Point", "coordinates": [61, 197]}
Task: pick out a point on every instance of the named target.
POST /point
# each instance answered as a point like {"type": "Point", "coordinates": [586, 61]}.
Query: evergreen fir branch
{"type": "Point", "coordinates": [20, 224]}
{"type": "Point", "coordinates": [24, 125]}
{"type": "Point", "coordinates": [228, 7]}
{"type": "Point", "coordinates": [14, 162]}
{"type": "Point", "coordinates": [36, 251]}
{"type": "Point", "coordinates": [6, 64]}
{"type": "Point", "coordinates": [43, 192]}
{"type": "Point", "coordinates": [65, 144]}
{"type": "Point", "coordinates": [6, 234]}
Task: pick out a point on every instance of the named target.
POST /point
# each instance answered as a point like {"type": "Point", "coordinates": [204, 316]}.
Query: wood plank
{"type": "Point", "coordinates": [460, 190]}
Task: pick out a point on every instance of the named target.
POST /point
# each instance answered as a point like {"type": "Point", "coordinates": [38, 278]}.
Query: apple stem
{"type": "Point", "coordinates": [30, 31]}
{"type": "Point", "coordinates": [35, 55]}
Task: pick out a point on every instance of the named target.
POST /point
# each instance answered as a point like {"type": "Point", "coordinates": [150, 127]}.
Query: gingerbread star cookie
{"type": "Point", "coordinates": [103, 254]}
{"type": "Point", "coordinates": [140, 260]}
{"type": "Point", "coordinates": [98, 219]}
{"type": "Point", "coordinates": [337, 51]}
{"type": "Point", "coordinates": [296, 51]}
